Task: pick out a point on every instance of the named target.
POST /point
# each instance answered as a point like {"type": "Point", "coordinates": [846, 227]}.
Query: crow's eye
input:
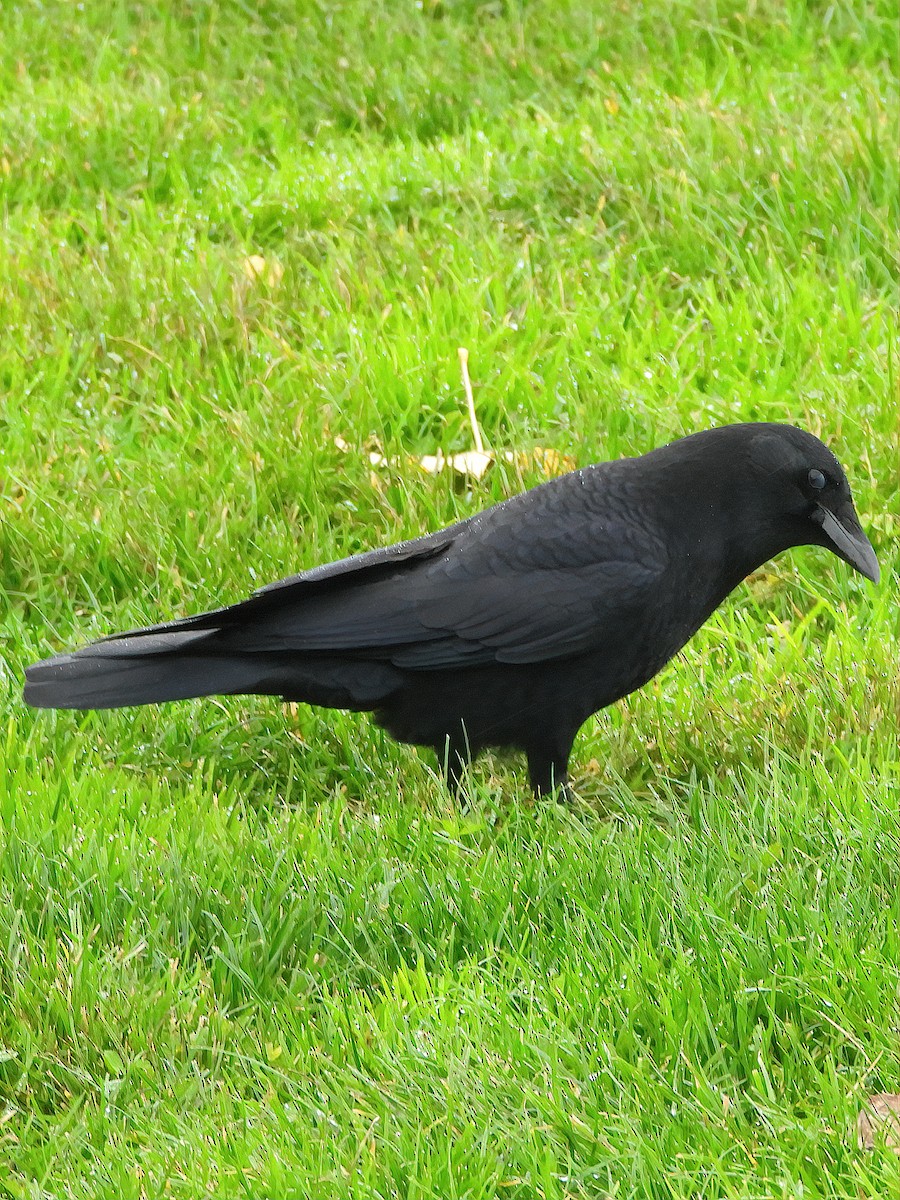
{"type": "Point", "coordinates": [816, 480]}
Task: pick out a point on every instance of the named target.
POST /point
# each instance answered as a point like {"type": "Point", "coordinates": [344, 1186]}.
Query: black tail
{"type": "Point", "coordinates": [141, 669]}
{"type": "Point", "coordinates": [153, 665]}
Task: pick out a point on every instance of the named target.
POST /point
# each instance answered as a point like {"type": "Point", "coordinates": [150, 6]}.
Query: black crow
{"type": "Point", "coordinates": [510, 628]}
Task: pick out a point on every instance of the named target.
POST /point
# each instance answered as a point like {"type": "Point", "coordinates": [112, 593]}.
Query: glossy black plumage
{"type": "Point", "coordinates": [510, 628]}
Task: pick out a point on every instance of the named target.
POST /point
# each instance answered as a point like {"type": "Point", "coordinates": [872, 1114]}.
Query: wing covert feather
{"type": "Point", "coordinates": [545, 575]}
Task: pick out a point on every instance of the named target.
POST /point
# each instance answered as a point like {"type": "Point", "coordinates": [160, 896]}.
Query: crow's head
{"type": "Point", "coordinates": [806, 491]}
{"type": "Point", "coordinates": [760, 488]}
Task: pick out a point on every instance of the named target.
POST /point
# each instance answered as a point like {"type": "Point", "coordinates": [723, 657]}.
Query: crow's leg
{"type": "Point", "coordinates": [548, 766]}
{"type": "Point", "coordinates": [454, 756]}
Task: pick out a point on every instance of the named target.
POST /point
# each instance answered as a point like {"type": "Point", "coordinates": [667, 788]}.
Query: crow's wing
{"type": "Point", "coordinates": [528, 618]}
{"type": "Point", "coordinates": [423, 620]}
{"type": "Point", "coordinates": [522, 583]}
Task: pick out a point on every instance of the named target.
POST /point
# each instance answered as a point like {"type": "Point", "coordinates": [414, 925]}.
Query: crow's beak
{"type": "Point", "coordinates": [847, 539]}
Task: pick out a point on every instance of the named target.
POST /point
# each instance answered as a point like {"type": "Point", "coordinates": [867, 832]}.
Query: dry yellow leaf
{"type": "Point", "coordinates": [263, 270]}
{"type": "Point", "coordinates": [471, 462]}
{"type": "Point", "coordinates": [551, 461]}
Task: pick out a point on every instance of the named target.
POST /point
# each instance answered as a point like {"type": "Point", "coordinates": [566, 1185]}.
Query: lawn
{"type": "Point", "coordinates": [249, 950]}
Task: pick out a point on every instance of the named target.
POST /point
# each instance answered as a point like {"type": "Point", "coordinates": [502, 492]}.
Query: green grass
{"type": "Point", "coordinates": [246, 951]}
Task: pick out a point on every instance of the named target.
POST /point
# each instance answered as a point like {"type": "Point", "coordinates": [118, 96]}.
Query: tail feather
{"type": "Point", "coordinates": [138, 670]}
{"type": "Point", "coordinates": [150, 667]}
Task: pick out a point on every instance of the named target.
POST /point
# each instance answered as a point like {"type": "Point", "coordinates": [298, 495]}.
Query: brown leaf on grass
{"type": "Point", "coordinates": [879, 1122]}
